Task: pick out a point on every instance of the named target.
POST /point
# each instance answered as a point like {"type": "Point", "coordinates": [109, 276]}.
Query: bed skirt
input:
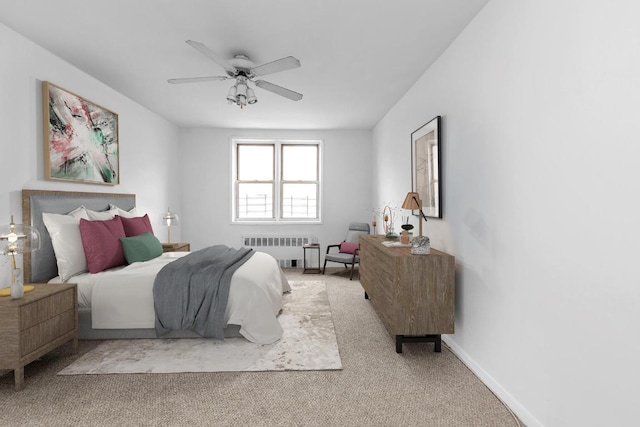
{"type": "Point", "coordinates": [86, 332]}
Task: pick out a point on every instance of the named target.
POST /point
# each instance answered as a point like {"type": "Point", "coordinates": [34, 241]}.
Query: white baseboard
{"type": "Point", "coordinates": [526, 418]}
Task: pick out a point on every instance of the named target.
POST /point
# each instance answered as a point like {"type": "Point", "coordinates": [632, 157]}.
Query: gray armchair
{"type": "Point", "coordinates": [346, 252]}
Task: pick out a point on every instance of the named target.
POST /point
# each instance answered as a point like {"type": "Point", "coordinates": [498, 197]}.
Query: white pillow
{"type": "Point", "coordinates": [79, 212]}
{"type": "Point", "coordinates": [67, 243]}
{"type": "Point", "coordinates": [121, 212]}
{"type": "Point", "coordinates": [101, 216]}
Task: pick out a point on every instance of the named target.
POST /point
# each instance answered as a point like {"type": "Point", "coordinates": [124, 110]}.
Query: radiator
{"type": "Point", "coordinates": [286, 249]}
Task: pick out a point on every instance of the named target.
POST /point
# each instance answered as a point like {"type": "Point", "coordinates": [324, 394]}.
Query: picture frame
{"type": "Point", "coordinates": [81, 140]}
{"type": "Point", "coordinates": [426, 167]}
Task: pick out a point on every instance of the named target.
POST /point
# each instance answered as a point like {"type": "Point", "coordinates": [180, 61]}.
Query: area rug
{"type": "Point", "coordinates": [309, 343]}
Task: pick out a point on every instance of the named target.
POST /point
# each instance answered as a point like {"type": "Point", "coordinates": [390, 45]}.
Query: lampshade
{"type": "Point", "coordinates": [231, 96]}
{"type": "Point", "coordinates": [242, 89]}
{"type": "Point", "coordinates": [18, 238]}
{"type": "Point", "coordinates": [412, 201]}
{"type": "Point", "coordinates": [169, 219]}
{"type": "Point", "coordinates": [251, 96]}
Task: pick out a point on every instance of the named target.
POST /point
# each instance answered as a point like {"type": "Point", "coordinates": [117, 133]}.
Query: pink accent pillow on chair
{"type": "Point", "coordinates": [348, 248]}
{"type": "Point", "coordinates": [101, 243]}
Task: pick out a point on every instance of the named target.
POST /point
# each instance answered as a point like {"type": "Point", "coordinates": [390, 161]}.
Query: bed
{"type": "Point", "coordinates": [118, 302]}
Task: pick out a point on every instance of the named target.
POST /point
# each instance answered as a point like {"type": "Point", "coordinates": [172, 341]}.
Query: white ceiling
{"type": "Point", "coordinates": [358, 56]}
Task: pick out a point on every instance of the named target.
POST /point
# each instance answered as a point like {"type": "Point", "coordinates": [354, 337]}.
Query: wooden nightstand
{"type": "Point", "coordinates": [176, 247]}
{"type": "Point", "coordinates": [41, 321]}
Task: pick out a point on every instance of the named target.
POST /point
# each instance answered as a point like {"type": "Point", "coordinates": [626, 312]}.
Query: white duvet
{"type": "Point", "coordinates": [122, 298]}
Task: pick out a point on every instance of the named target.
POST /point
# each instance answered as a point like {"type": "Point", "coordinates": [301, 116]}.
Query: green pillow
{"type": "Point", "coordinates": [142, 247]}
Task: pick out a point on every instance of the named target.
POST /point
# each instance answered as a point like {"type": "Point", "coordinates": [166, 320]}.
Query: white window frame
{"type": "Point", "coordinates": [277, 195]}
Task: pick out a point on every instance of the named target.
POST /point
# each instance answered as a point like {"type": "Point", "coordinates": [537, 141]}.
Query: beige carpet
{"type": "Point", "coordinates": [376, 387]}
{"type": "Point", "coordinates": [308, 343]}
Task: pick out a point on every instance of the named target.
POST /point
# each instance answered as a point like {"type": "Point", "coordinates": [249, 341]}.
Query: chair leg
{"type": "Point", "coordinates": [352, 267]}
{"type": "Point", "coordinates": [324, 266]}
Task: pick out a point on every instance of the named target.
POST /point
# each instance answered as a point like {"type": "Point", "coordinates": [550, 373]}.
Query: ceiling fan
{"type": "Point", "coordinates": [243, 71]}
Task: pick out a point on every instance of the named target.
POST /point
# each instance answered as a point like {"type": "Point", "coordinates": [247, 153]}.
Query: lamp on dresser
{"type": "Point", "coordinates": [419, 245]}
{"type": "Point", "coordinates": [19, 239]}
{"type": "Point", "coordinates": [412, 201]}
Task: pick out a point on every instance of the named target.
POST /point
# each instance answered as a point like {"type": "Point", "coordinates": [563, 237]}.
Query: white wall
{"type": "Point", "coordinates": [206, 185]}
{"type": "Point", "coordinates": [148, 143]}
{"type": "Point", "coordinates": [540, 110]}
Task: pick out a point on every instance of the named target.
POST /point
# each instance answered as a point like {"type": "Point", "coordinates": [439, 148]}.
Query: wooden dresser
{"type": "Point", "coordinates": [35, 324]}
{"type": "Point", "coordinates": [414, 295]}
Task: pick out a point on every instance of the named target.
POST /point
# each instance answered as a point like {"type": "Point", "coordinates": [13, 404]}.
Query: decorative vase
{"type": "Point", "coordinates": [391, 235]}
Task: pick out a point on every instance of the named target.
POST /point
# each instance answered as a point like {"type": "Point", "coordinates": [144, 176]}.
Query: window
{"type": "Point", "coordinates": [276, 180]}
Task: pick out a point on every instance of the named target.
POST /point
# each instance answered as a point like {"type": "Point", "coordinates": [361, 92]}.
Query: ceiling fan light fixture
{"type": "Point", "coordinates": [231, 96]}
{"type": "Point", "coordinates": [242, 90]}
{"type": "Point", "coordinates": [251, 96]}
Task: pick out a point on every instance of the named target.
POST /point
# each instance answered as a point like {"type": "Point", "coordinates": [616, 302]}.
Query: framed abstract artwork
{"type": "Point", "coordinates": [80, 138]}
{"type": "Point", "coordinates": [425, 167]}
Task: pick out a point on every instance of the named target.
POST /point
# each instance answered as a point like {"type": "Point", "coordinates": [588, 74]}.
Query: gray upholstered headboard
{"type": "Point", "coordinates": [40, 266]}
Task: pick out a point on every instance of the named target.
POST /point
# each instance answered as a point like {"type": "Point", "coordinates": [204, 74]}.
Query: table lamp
{"type": "Point", "coordinates": [19, 239]}
{"type": "Point", "coordinates": [170, 219]}
{"type": "Point", "coordinates": [412, 201]}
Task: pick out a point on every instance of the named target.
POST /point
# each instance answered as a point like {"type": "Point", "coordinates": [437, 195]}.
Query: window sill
{"type": "Point", "coordinates": [283, 222]}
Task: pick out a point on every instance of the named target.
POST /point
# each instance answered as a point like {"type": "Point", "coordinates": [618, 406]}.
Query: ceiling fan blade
{"type": "Point", "coordinates": [278, 65]}
{"type": "Point", "coordinates": [198, 79]}
{"type": "Point", "coordinates": [213, 56]}
{"type": "Point", "coordinates": [279, 90]}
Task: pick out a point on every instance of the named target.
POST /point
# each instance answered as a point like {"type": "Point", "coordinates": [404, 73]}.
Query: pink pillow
{"type": "Point", "coordinates": [137, 225]}
{"type": "Point", "coordinates": [101, 243]}
{"type": "Point", "coordinates": [348, 248]}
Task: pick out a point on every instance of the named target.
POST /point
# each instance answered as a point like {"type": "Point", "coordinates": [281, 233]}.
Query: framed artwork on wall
{"type": "Point", "coordinates": [81, 141]}
{"type": "Point", "coordinates": [425, 167]}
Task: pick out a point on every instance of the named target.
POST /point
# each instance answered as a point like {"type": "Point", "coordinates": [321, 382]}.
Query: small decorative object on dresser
{"type": "Point", "coordinates": [388, 216]}
{"type": "Point", "coordinates": [420, 245]}
{"type": "Point", "coordinates": [176, 247]}
{"type": "Point", "coordinates": [406, 228]}
{"type": "Point", "coordinates": [36, 324]}
{"type": "Point", "coordinates": [414, 296]}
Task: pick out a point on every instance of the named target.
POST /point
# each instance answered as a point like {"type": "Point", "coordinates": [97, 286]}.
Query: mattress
{"type": "Point", "coordinates": [122, 297]}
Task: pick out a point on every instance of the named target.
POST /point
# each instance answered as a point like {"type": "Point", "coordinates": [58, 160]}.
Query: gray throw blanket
{"type": "Point", "coordinates": [191, 292]}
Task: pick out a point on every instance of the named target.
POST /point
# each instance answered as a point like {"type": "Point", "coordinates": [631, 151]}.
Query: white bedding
{"type": "Point", "coordinates": [122, 298]}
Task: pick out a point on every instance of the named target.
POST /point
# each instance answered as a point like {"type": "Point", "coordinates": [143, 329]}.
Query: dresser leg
{"type": "Point", "coordinates": [398, 343]}
{"type": "Point", "coordinates": [18, 375]}
{"type": "Point", "coordinates": [438, 343]}
{"type": "Point", "coordinates": [74, 345]}
{"type": "Point", "coordinates": [366, 295]}
{"type": "Point", "coordinates": [435, 339]}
